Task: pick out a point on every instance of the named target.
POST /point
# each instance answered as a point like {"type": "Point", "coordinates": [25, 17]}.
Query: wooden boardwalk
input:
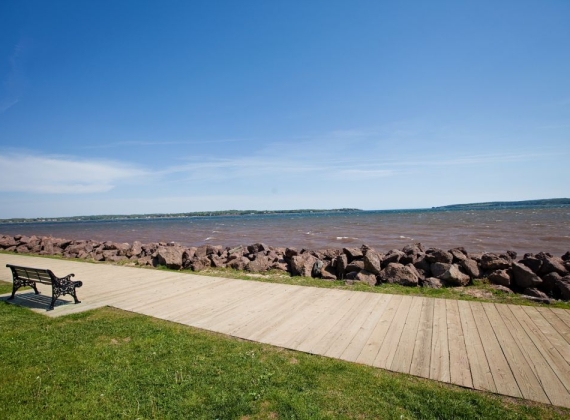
{"type": "Point", "coordinates": [506, 349]}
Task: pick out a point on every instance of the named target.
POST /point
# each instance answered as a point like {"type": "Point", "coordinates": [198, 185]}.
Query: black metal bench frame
{"type": "Point", "coordinates": [26, 276]}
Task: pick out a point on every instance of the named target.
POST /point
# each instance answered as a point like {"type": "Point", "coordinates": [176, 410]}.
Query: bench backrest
{"type": "Point", "coordinates": [33, 274]}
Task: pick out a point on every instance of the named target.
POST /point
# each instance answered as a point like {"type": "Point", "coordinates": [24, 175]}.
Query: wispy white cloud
{"type": "Point", "coordinates": [62, 175]}
{"type": "Point", "coordinates": [157, 143]}
{"type": "Point", "coordinates": [327, 165]}
{"type": "Point", "coordinates": [14, 81]}
{"type": "Point", "coordinates": [365, 173]}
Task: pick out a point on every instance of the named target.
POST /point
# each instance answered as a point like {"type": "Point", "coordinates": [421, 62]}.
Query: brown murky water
{"type": "Point", "coordinates": [520, 230]}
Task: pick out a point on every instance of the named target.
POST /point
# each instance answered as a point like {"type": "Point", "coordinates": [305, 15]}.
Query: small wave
{"type": "Point", "coordinates": [344, 238]}
{"type": "Point", "coordinates": [309, 233]}
{"type": "Point", "coordinates": [209, 238]}
{"type": "Point", "coordinates": [406, 237]}
{"type": "Point", "coordinates": [215, 231]}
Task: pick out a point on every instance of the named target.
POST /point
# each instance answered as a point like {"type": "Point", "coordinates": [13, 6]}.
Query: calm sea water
{"type": "Point", "coordinates": [521, 230]}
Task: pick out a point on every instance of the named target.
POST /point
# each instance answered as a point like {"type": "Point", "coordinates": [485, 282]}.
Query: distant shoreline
{"type": "Point", "coordinates": [495, 205]}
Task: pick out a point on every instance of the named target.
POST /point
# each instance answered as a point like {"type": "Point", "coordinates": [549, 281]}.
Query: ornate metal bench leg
{"type": "Point", "coordinates": [35, 288]}
{"type": "Point", "coordinates": [52, 304]}
{"type": "Point", "coordinates": [14, 289]}
{"type": "Point", "coordinates": [15, 286]}
{"type": "Point", "coordinates": [74, 294]}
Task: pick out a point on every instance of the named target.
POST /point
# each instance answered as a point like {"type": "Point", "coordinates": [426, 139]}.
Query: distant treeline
{"type": "Point", "coordinates": [551, 202]}
{"type": "Point", "coordinates": [106, 217]}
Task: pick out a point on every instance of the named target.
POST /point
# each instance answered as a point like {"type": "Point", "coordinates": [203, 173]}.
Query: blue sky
{"type": "Point", "coordinates": [121, 107]}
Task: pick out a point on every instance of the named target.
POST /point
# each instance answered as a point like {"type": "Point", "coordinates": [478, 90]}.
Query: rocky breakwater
{"type": "Point", "coordinates": [539, 276]}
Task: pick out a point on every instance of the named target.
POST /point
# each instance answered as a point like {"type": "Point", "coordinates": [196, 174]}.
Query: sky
{"type": "Point", "coordinates": [133, 107]}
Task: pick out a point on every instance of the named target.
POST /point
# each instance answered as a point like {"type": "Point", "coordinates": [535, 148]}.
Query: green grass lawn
{"type": "Point", "coordinates": [114, 364]}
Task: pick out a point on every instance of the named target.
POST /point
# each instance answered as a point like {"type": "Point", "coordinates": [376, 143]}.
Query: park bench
{"type": "Point", "coordinates": [26, 276]}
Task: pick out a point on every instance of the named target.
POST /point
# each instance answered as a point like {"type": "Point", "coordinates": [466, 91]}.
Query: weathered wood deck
{"type": "Point", "coordinates": [506, 349]}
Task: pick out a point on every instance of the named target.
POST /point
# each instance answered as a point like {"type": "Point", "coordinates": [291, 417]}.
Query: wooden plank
{"type": "Point", "coordinates": [150, 293]}
{"type": "Point", "coordinates": [459, 370]}
{"type": "Point", "coordinates": [387, 351]}
{"type": "Point", "coordinates": [548, 330]}
{"type": "Point", "coordinates": [190, 309]}
{"type": "Point", "coordinates": [374, 342]}
{"type": "Point", "coordinates": [273, 297]}
{"type": "Point", "coordinates": [502, 374]}
{"type": "Point", "coordinates": [405, 351]}
{"type": "Point", "coordinates": [422, 347]}
{"type": "Point", "coordinates": [563, 314]}
{"type": "Point", "coordinates": [527, 382]}
{"type": "Point", "coordinates": [546, 349]}
{"type": "Point", "coordinates": [283, 313]}
{"type": "Point", "coordinates": [439, 358]}
{"type": "Point", "coordinates": [347, 329]}
{"type": "Point", "coordinates": [319, 318]}
{"type": "Point", "coordinates": [359, 340]}
{"type": "Point", "coordinates": [248, 296]}
{"type": "Point", "coordinates": [478, 364]}
{"type": "Point", "coordinates": [553, 387]}
{"type": "Point", "coordinates": [556, 322]}
{"type": "Point", "coordinates": [259, 315]}
{"type": "Point", "coordinates": [321, 334]}
{"type": "Point", "coordinates": [297, 319]}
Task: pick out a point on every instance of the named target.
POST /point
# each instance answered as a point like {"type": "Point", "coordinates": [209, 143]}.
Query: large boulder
{"type": "Point", "coordinates": [532, 262]}
{"type": "Point", "coordinates": [302, 265]}
{"type": "Point", "coordinates": [471, 268]}
{"type": "Point", "coordinates": [531, 291]}
{"type": "Point", "coordinates": [438, 269]}
{"type": "Point", "coordinates": [22, 249]}
{"type": "Point", "coordinates": [549, 282]}
{"type": "Point", "coordinates": [367, 277]}
{"type": "Point", "coordinates": [204, 251]}
{"type": "Point", "coordinates": [135, 250]}
{"type": "Point", "coordinates": [420, 274]}
{"type": "Point", "coordinates": [290, 253]}
{"type": "Point", "coordinates": [340, 263]}
{"type": "Point", "coordinates": [169, 256]}
{"type": "Point", "coordinates": [328, 272]}
{"type": "Point", "coordinates": [562, 288]}
{"type": "Point", "coordinates": [432, 283]}
{"type": "Point", "coordinates": [414, 249]}
{"type": "Point", "coordinates": [436, 255]}
{"type": "Point", "coordinates": [317, 268]}
{"type": "Point", "coordinates": [501, 277]}
{"type": "Point", "coordinates": [238, 263]}
{"type": "Point", "coordinates": [259, 264]}
{"type": "Point", "coordinates": [7, 242]}
{"type": "Point", "coordinates": [524, 277]}
{"type": "Point", "coordinates": [201, 263]}
{"type": "Point", "coordinates": [353, 253]}
{"type": "Point", "coordinates": [422, 264]}
{"type": "Point", "coordinates": [553, 265]}
{"type": "Point", "coordinates": [215, 260]}
{"type": "Point", "coordinates": [459, 254]}
{"type": "Point", "coordinates": [393, 256]}
{"type": "Point", "coordinates": [454, 277]}
{"type": "Point", "coordinates": [399, 274]}
{"type": "Point", "coordinates": [258, 247]}
{"type": "Point", "coordinates": [355, 265]}
{"type": "Point", "coordinates": [492, 262]}
{"type": "Point", "coordinates": [372, 262]}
